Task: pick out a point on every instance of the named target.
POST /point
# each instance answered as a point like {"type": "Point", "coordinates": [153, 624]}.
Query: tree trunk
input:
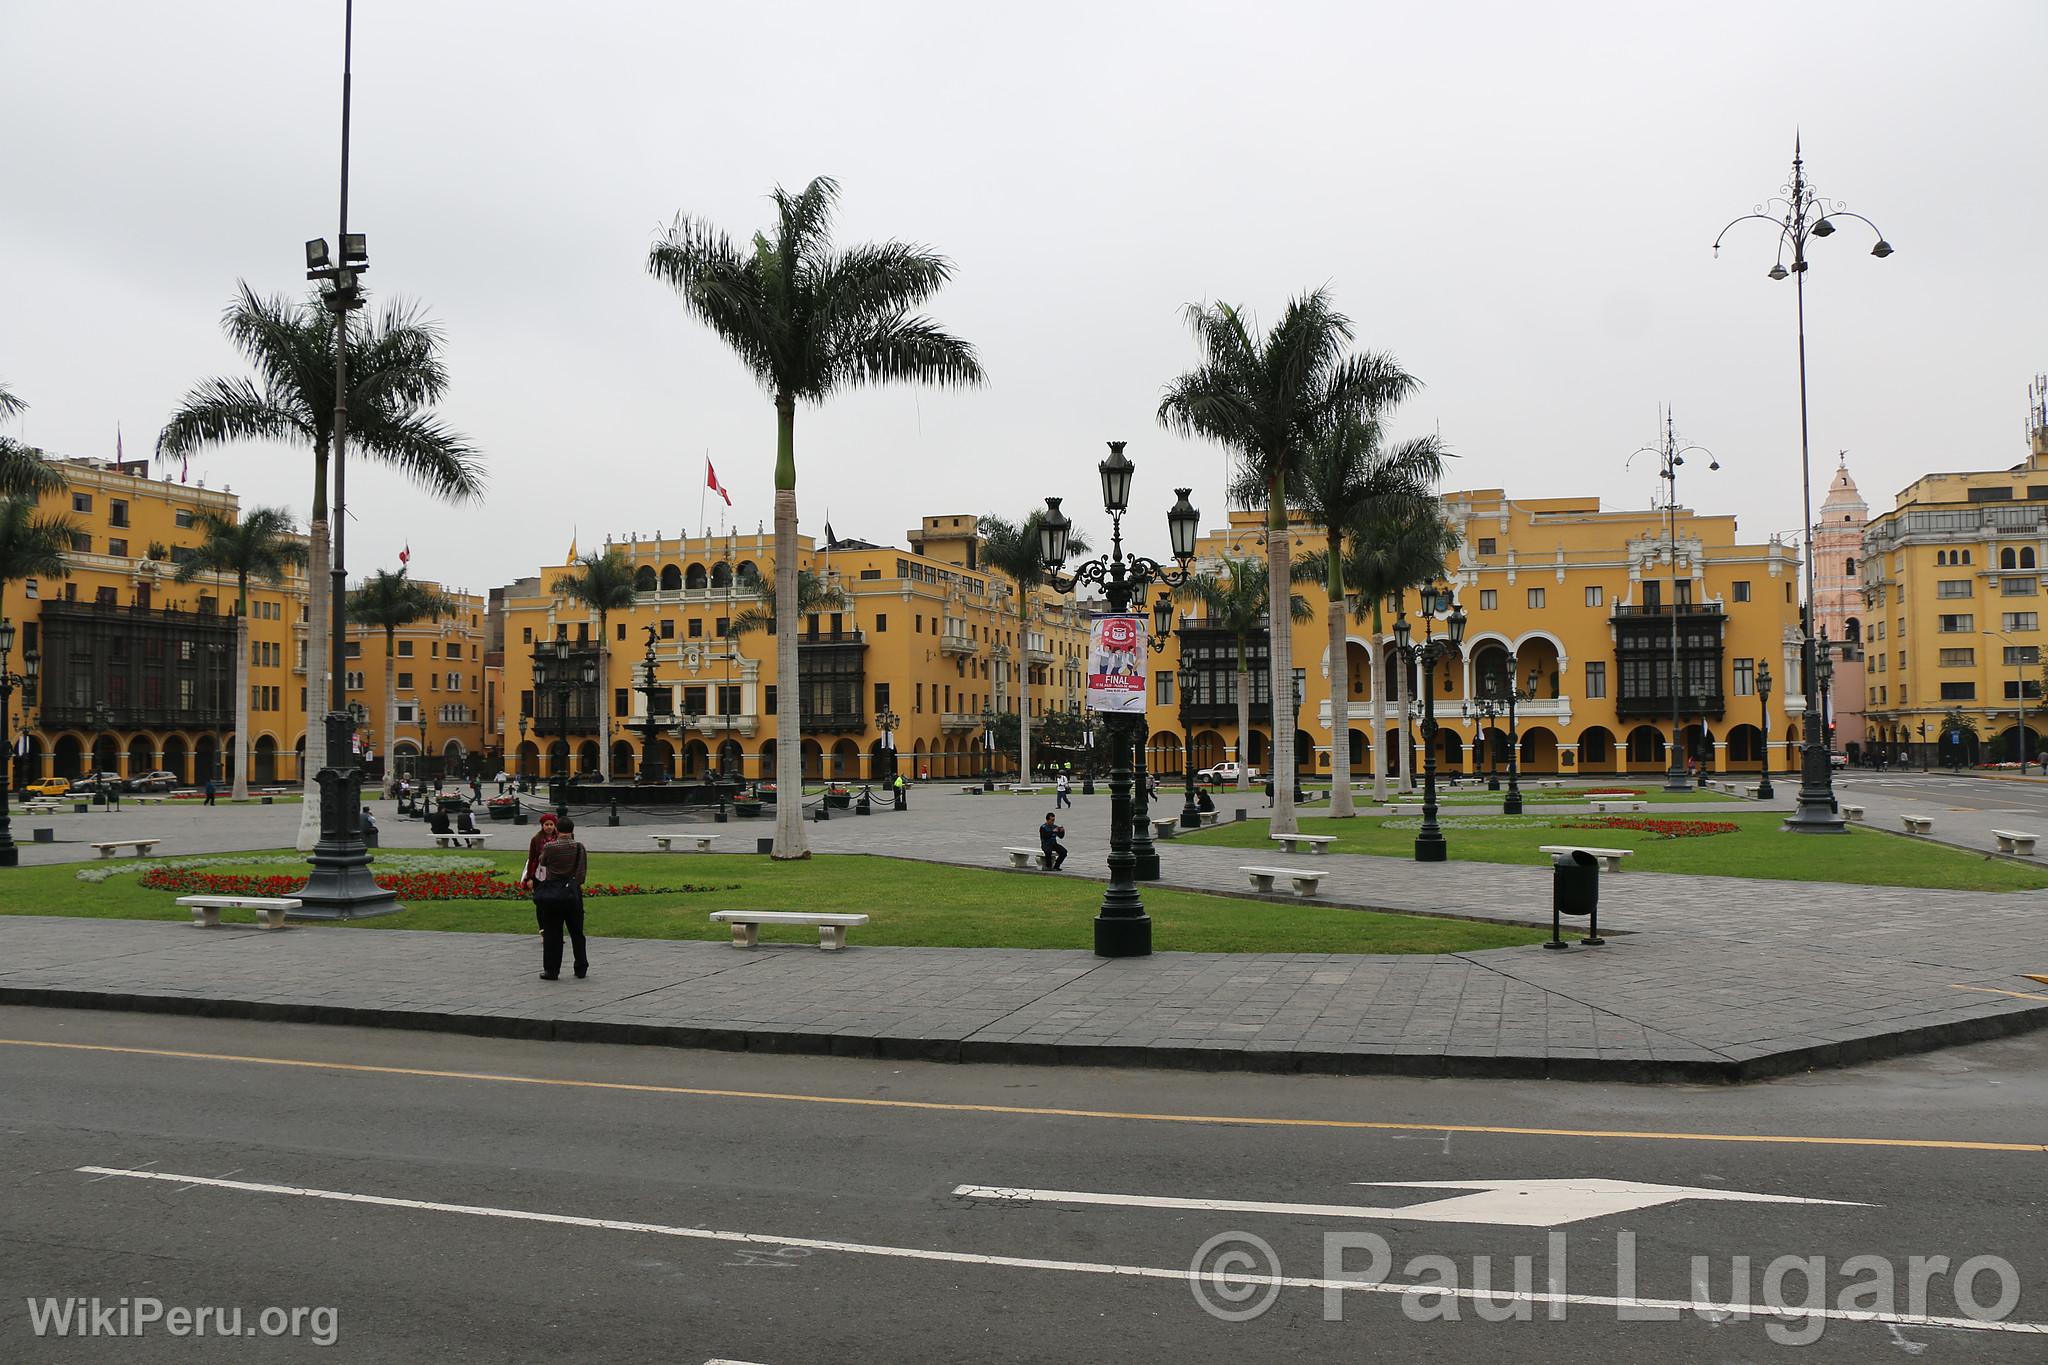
{"type": "Point", "coordinates": [240, 790]}
{"type": "Point", "coordinates": [1024, 687]}
{"type": "Point", "coordinates": [1378, 683]}
{"type": "Point", "coordinates": [789, 709]}
{"type": "Point", "coordinates": [318, 691]}
{"type": "Point", "coordinates": [1406, 703]}
{"type": "Point", "coordinates": [1280, 626]}
{"type": "Point", "coordinates": [1341, 807]}
{"type": "Point", "coordinates": [1244, 717]}
{"type": "Point", "coordinates": [391, 713]}
{"type": "Point", "coordinates": [604, 699]}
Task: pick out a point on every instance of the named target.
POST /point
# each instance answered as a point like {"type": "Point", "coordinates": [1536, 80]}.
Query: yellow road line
{"type": "Point", "coordinates": [1993, 990]}
{"type": "Point", "coordinates": [1028, 1111]}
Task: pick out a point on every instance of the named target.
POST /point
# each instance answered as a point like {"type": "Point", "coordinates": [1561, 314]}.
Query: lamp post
{"type": "Point", "coordinates": [988, 749]}
{"type": "Point", "coordinates": [1122, 929]}
{"type": "Point", "coordinates": [887, 721]}
{"type": "Point", "coordinates": [525, 778]}
{"type": "Point", "coordinates": [1800, 215]}
{"type": "Point", "coordinates": [419, 718]}
{"type": "Point", "coordinates": [1143, 851]}
{"type": "Point", "coordinates": [1191, 808]}
{"type": "Point", "coordinates": [1670, 456]}
{"type": "Point", "coordinates": [1484, 711]}
{"type": "Point", "coordinates": [1436, 601]}
{"type": "Point", "coordinates": [649, 774]}
{"type": "Point", "coordinates": [1763, 692]}
{"type": "Point", "coordinates": [1825, 660]}
{"type": "Point", "coordinates": [1923, 747]}
{"type": "Point", "coordinates": [1512, 805]}
{"type": "Point", "coordinates": [31, 663]}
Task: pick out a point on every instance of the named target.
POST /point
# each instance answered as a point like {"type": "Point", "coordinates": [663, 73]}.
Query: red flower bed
{"type": "Point", "coordinates": [1663, 829]}
{"type": "Point", "coordinates": [1616, 791]}
{"type": "Point", "coordinates": [415, 886]}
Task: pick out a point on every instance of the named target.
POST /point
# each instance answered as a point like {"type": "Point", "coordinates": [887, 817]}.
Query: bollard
{"type": "Point", "coordinates": [820, 814]}
{"type": "Point", "coordinates": [519, 816]}
{"type": "Point", "coordinates": [1575, 890]}
{"type": "Point", "coordinates": [764, 845]}
{"type": "Point", "coordinates": [614, 820]}
{"type": "Point", "coordinates": [1239, 814]}
{"type": "Point", "coordinates": [44, 836]}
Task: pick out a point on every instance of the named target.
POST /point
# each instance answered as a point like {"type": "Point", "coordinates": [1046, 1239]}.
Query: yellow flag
{"type": "Point", "coordinates": [572, 550]}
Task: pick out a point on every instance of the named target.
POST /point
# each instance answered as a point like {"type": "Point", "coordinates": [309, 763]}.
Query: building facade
{"type": "Point", "coordinates": [1839, 607]}
{"type": "Point", "coordinates": [1576, 603]}
{"type": "Point", "coordinates": [1952, 588]}
{"type": "Point", "coordinates": [439, 672]}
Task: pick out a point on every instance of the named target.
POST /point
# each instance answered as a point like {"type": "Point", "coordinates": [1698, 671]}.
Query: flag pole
{"type": "Point", "coordinates": [704, 489]}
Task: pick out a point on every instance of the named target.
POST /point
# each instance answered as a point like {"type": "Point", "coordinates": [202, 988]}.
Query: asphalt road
{"type": "Point", "coordinates": [478, 1200]}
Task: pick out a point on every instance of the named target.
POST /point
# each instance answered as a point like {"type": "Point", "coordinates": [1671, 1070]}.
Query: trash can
{"type": "Point", "coordinates": [1575, 891]}
{"type": "Point", "coordinates": [764, 845]}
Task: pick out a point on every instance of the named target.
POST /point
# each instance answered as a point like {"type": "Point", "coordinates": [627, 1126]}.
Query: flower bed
{"type": "Point", "coordinates": [417, 886]}
{"type": "Point", "coordinates": [386, 862]}
{"type": "Point", "coordinates": [1663, 829]}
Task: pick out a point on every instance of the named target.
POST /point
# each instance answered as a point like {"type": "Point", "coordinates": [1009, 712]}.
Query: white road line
{"type": "Point", "coordinates": [1141, 1272]}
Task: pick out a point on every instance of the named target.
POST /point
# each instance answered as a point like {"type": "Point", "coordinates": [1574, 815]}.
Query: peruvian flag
{"type": "Point", "coordinates": [711, 482]}
{"type": "Point", "coordinates": [405, 555]}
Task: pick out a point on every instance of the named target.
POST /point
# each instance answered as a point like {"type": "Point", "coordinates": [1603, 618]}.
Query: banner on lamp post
{"type": "Point", "coordinates": [1116, 663]}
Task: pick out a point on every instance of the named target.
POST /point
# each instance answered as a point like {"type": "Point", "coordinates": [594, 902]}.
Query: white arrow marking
{"type": "Point", "coordinates": [1499, 1203]}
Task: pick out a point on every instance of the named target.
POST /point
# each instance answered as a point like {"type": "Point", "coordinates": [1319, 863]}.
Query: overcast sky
{"type": "Point", "coordinates": [1517, 200]}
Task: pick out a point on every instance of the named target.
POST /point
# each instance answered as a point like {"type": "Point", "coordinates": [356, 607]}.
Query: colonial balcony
{"type": "Point", "coordinates": [1553, 711]}
{"type": "Point", "coordinates": [1713, 705]}
{"type": "Point", "coordinates": [959, 721]}
{"type": "Point", "coordinates": [711, 727]}
{"type": "Point", "coordinates": [1039, 656]}
{"type": "Point", "coordinates": [959, 644]}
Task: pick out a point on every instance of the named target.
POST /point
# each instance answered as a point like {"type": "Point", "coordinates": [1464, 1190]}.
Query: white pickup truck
{"type": "Point", "coordinates": [1226, 772]}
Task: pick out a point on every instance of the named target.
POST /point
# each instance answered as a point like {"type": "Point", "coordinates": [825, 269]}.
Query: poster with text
{"type": "Point", "coordinates": [1116, 664]}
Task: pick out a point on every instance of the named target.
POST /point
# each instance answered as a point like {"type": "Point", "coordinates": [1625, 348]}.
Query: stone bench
{"type": "Point", "coordinates": [1166, 829]}
{"type": "Point", "coordinates": [1609, 807]}
{"type": "Point", "coordinates": [1208, 817]}
{"type": "Point", "coordinates": [148, 800]}
{"type": "Point", "coordinates": [1610, 858]}
{"type": "Point", "coordinates": [270, 910]}
{"type": "Point", "coordinates": [702, 841]}
{"type": "Point", "coordinates": [1305, 883]}
{"type": "Point", "coordinates": [460, 840]}
{"type": "Point", "coordinates": [141, 846]}
{"type": "Point", "coordinates": [1854, 813]}
{"type": "Point", "coordinates": [1025, 857]}
{"type": "Point", "coordinates": [2015, 841]}
{"type": "Point", "coordinates": [1403, 808]}
{"type": "Point", "coordinates": [746, 925]}
{"type": "Point", "coordinates": [1917, 824]}
{"type": "Point", "coordinates": [1317, 843]}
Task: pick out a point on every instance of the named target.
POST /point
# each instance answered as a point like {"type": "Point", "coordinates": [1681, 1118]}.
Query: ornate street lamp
{"type": "Point", "coordinates": [1799, 215]}
{"type": "Point", "coordinates": [1436, 601]}
{"type": "Point", "coordinates": [31, 663]}
{"type": "Point", "coordinates": [887, 720]}
{"type": "Point", "coordinates": [1670, 456]}
{"type": "Point", "coordinates": [1122, 929]}
{"type": "Point", "coordinates": [1484, 711]}
{"type": "Point", "coordinates": [988, 749]}
{"type": "Point", "coordinates": [1763, 692]}
{"type": "Point", "coordinates": [525, 778]}
{"type": "Point", "coordinates": [1512, 805]}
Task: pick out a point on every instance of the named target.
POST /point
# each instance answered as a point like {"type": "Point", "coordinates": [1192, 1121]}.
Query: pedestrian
{"type": "Point", "coordinates": [1049, 835]}
{"type": "Point", "coordinates": [558, 900]}
{"type": "Point", "coordinates": [211, 789]}
{"type": "Point", "coordinates": [544, 836]}
{"type": "Point", "coordinates": [369, 828]}
{"type": "Point", "coordinates": [902, 790]}
{"type": "Point", "coordinates": [1062, 794]}
{"type": "Point", "coordinates": [1152, 788]}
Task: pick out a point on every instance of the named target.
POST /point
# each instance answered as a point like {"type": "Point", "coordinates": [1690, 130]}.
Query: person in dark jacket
{"type": "Point", "coordinates": [544, 836]}
{"type": "Point", "coordinates": [558, 896]}
{"type": "Point", "coordinates": [1049, 835]}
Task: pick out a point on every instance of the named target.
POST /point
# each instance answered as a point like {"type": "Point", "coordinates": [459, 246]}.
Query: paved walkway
{"type": "Point", "coordinates": [1704, 977]}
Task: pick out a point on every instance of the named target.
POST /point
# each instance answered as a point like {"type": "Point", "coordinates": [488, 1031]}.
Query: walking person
{"type": "Point", "coordinates": [558, 899]}
{"type": "Point", "coordinates": [211, 790]}
{"type": "Point", "coordinates": [1049, 835]}
{"type": "Point", "coordinates": [1062, 794]}
{"type": "Point", "coordinates": [544, 836]}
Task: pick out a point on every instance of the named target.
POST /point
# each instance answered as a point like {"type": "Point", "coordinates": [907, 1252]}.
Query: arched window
{"type": "Point", "coordinates": [1851, 569]}
{"type": "Point", "coordinates": [1852, 629]}
{"type": "Point", "coordinates": [671, 578]}
{"type": "Point", "coordinates": [2027, 557]}
{"type": "Point", "coordinates": [1966, 557]}
{"type": "Point", "coordinates": [2007, 559]}
{"type": "Point", "coordinates": [1940, 558]}
{"type": "Point", "coordinates": [644, 579]}
{"type": "Point", "coordinates": [694, 577]}
{"type": "Point", "coordinates": [721, 574]}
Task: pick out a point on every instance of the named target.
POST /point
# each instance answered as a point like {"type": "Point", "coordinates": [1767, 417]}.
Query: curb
{"type": "Point", "coordinates": [1633, 1070]}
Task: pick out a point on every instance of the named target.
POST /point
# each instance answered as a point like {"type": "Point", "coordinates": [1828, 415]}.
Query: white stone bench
{"type": "Point", "coordinates": [1305, 883]}
{"type": "Point", "coordinates": [1208, 817]}
{"type": "Point", "coordinates": [746, 925]}
{"type": "Point", "coordinates": [1166, 829]}
{"type": "Point", "coordinates": [270, 910]}
{"type": "Point", "coordinates": [141, 846]}
{"type": "Point", "coordinates": [1317, 843]}
{"type": "Point", "coordinates": [1025, 857]}
{"type": "Point", "coordinates": [974, 790]}
{"type": "Point", "coordinates": [702, 841]}
{"type": "Point", "coordinates": [459, 840]}
{"type": "Point", "coordinates": [148, 800]}
{"type": "Point", "coordinates": [1853, 812]}
{"type": "Point", "coordinates": [2015, 841]}
{"type": "Point", "coordinates": [1609, 807]}
{"type": "Point", "coordinates": [1610, 858]}
{"type": "Point", "coordinates": [1917, 824]}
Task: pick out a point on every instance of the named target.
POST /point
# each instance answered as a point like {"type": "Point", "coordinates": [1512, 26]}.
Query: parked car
{"type": "Point", "coordinates": [111, 781]}
{"type": "Point", "coordinates": [1227, 772]}
{"type": "Point", "coordinates": [161, 780]}
{"type": "Point", "coordinates": [1838, 760]}
{"type": "Point", "coordinates": [49, 786]}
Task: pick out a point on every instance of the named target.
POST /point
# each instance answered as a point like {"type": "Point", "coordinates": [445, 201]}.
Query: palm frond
{"type": "Point", "coordinates": [218, 411]}
{"type": "Point", "coordinates": [33, 545]}
{"type": "Point", "coordinates": [24, 473]}
{"type": "Point", "coordinates": [417, 445]}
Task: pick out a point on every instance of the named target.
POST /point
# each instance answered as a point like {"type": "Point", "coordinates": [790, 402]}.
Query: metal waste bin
{"type": "Point", "coordinates": [1574, 890]}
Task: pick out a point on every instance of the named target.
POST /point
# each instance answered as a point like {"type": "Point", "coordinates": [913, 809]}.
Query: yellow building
{"type": "Point", "coordinates": [440, 691]}
{"type": "Point", "coordinates": [138, 669]}
{"type": "Point", "coordinates": [1951, 582]}
{"type": "Point", "coordinates": [925, 633]}
{"type": "Point", "coordinates": [1583, 600]}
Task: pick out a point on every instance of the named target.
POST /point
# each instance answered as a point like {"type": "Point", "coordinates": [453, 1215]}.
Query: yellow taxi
{"type": "Point", "coordinates": [49, 786]}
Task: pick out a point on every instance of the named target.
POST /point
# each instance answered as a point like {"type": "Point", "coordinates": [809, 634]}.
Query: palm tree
{"type": "Point", "coordinates": [1010, 548]}
{"type": "Point", "coordinates": [809, 320]}
{"type": "Point", "coordinates": [387, 601]}
{"type": "Point", "coordinates": [24, 473]}
{"type": "Point", "coordinates": [1266, 398]}
{"type": "Point", "coordinates": [1395, 544]}
{"type": "Point", "coordinates": [813, 594]}
{"type": "Point", "coordinates": [603, 582]}
{"type": "Point", "coordinates": [263, 544]}
{"type": "Point", "coordinates": [31, 546]}
{"type": "Point", "coordinates": [1235, 600]}
{"type": "Point", "coordinates": [1349, 475]}
{"type": "Point", "coordinates": [395, 375]}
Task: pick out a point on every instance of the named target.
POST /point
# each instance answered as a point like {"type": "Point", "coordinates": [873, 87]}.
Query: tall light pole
{"type": "Point", "coordinates": [1670, 456]}
{"type": "Point", "coordinates": [1122, 928]}
{"type": "Point", "coordinates": [1763, 692]}
{"type": "Point", "coordinates": [10, 855]}
{"type": "Point", "coordinates": [1436, 601]}
{"type": "Point", "coordinates": [1800, 215]}
{"type": "Point", "coordinates": [1512, 805]}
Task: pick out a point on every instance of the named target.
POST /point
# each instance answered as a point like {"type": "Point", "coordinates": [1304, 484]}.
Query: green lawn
{"type": "Point", "coordinates": [1759, 848]}
{"type": "Point", "coordinates": [912, 903]}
